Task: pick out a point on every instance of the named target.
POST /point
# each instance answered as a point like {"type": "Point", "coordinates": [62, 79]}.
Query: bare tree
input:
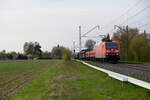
{"type": "Point", "coordinates": [90, 44]}
{"type": "Point", "coordinates": [32, 48]}
{"type": "Point", "coordinates": [58, 51]}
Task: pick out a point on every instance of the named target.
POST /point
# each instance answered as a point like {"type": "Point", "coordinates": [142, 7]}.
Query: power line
{"type": "Point", "coordinates": [91, 30]}
{"type": "Point", "coordinates": [144, 25]}
{"type": "Point", "coordinates": [139, 20]}
{"type": "Point", "coordinates": [126, 11]}
{"type": "Point", "coordinates": [137, 3]}
{"type": "Point", "coordinates": [136, 14]}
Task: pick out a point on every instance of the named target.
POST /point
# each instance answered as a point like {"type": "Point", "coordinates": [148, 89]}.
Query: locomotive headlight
{"type": "Point", "coordinates": [107, 50]}
{"type": "Point", "coordinates": [116, 50]}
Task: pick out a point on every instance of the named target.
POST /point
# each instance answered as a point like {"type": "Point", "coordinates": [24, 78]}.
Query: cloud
{"type": "Point", "coordinates": [14, 4]}
{"type": "Point", "coordinates": [50, 22]}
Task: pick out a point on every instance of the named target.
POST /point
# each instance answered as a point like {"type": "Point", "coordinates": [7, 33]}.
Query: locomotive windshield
{"type": "Point", "coordinates": [111, 45]}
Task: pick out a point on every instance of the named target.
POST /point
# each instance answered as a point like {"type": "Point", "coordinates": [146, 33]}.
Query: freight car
{"type": "Point", "coordinates": [82, 54]}
{"type": "Point", "coordinates": [106, 51]}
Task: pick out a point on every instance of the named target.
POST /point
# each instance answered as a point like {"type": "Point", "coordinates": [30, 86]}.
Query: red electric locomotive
{"type": "Point", "coordinates": [107, 51]}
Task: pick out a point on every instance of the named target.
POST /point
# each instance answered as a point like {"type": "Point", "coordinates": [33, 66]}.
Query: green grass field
{"type": "Point", "coordinates": [11, 69]}
{"type": "Point", "coordinates": [16, 75]}
{"type": "Point", "coordinates": [75, 81]}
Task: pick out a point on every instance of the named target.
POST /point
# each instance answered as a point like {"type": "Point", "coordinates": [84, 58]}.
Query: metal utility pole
{"type": "Point", "coordinates": [79, 38]}
{"type": "Point", "coordinates": [74, 47]}
{"type": "Point", "coordinates": [127, 30]}
{"type": "Point", "coordinates": [84, 35]}
{"type": "Point", "coordinates": [144, 31]}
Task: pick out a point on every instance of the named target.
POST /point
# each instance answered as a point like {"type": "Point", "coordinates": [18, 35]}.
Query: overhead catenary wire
{"type": "Point", "coordinates": [91, 30]}
{"type": "Point", "coordinates": [139, 12]}
{"type": "Point", "coordinates": [126, 12]}
{"type": "Point", "coordinates": [137, 3]}
{"type": "Point", "coordinates": [139, 20]}
{"type": "Point", "coordinates": [144, 25]}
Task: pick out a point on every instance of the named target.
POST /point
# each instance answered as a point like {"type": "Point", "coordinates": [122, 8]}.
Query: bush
{"type": "Point", "coordinates": [67, 55]}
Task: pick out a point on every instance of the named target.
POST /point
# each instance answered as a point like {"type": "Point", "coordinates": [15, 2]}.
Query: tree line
{"type": "Point", "coordinates": [134, 45]}
{"type": "Point", "coordinates": [32, 50]}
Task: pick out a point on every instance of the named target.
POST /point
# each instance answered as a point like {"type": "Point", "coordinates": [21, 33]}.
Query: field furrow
{"type": "Point", "coordinates": [14, 85]}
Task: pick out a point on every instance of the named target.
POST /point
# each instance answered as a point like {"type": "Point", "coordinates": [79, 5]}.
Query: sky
{"type": "Point", "coordinates": [52, 22]}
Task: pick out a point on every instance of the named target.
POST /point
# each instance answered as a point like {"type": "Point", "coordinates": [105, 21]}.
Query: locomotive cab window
{"type": "Point", "coordinates": [111, 45]}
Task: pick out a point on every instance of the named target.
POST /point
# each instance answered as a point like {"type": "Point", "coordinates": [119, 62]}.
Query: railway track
{"type": "Point", "coordinates": [140, 71]}
{"type": "Point", "coordinates": [141, 67]}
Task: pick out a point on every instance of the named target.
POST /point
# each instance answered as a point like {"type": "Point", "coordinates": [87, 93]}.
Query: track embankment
{"type": "Point", "coordinates": [140, 71]}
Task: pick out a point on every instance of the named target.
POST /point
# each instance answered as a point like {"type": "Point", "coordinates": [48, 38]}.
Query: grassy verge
{"type": "Point", "coordinates": [75, 81]}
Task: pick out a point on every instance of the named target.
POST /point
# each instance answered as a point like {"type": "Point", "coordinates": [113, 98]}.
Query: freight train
{"type": "Point", "coordinates": [106, 51]}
